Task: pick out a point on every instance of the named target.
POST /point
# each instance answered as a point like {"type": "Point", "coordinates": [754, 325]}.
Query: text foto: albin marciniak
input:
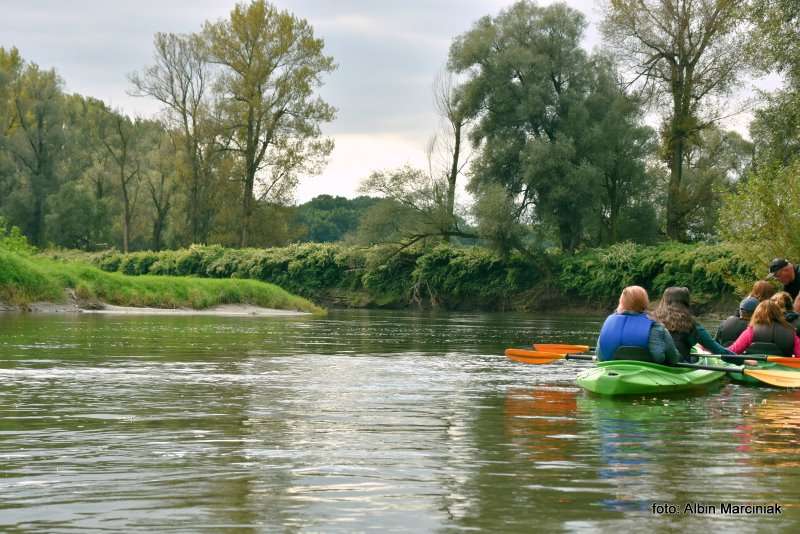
{"type": "Point", "coordinates": [725, 508]}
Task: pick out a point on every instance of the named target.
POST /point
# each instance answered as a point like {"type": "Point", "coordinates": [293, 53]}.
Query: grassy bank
{"type": "Point", "coordinates": [453, 277]}
{"type": "Point", "coordinates": [26, 278]}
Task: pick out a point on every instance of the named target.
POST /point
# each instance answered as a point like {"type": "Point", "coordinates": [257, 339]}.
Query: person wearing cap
{"type": "Point", "coordinates": [787, 274]}
{"type": "Point", "coordinates": [733, 326]}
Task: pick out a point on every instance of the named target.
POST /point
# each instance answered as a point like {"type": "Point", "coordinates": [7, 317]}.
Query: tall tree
{"type": "Point", "coordinates": [160, 182]}
{"type": "Point", "coordinates": [681, 53]}
{"type": "Point", "coordinates": [272, 63]}
{"type": "Point", "coordinates": [540, 104]}
{"type": "Point", "coordinates": [776, 47]}
{"type": "Point", "coordinates": [181, 79]}
{"type": "Point", "coordinates": [35, 139]}
{"type": "Point", "coordinates": [447, 154]}
{"type": "Point", "coordinates": [123, 143]}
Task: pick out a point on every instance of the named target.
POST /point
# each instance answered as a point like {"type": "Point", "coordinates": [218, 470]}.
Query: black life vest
{"type": "Point", "coordinates": [776, 333]}
{"type": "Point", "coordinates": [684, 341]}
{"type": "Point", "coordinates": [730, 329]}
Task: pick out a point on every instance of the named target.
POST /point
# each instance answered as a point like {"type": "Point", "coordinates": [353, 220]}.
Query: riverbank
{"type": "Point", "coordinates": [35, 283]}
{"type": "Point", "coordinates": [453, 277]}
{"type": "Point", "coordinates": [222, 310]}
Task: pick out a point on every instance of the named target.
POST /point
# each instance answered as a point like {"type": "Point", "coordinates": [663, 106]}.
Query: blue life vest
{"type": "Point", "coordinates": [622, 329]}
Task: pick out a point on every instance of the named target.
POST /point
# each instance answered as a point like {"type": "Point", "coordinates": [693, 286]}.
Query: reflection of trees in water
{"type": "Point", "coordinates": [527, 469]}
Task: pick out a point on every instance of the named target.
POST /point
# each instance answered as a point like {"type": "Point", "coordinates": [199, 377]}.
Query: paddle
{"type": "Point", "coordinates": [540, 358]}
{"type": "Point", "coordinates": [774, 377]}
{"type": "Point", "coordinates": [561, 347]}
{"type": "Point", "coordinates": [781, 360]}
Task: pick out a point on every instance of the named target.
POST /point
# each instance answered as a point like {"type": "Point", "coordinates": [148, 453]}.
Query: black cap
{"type": "Point", "coordinates": [777, 264]}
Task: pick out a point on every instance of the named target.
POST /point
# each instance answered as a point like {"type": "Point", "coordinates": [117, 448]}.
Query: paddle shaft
{"type": "Point", "coordinates": [712, 367]}
{"type": "Point", "coordinates": [581, 357]}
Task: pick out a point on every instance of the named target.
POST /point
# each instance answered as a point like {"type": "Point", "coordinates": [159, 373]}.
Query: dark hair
{"type": "Point", "coordinates": [673, 310]}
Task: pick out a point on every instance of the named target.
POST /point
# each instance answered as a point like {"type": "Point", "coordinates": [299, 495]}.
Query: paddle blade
{"type": "Point", "coordinates": [560, 348]}
{"type": "Point", "coordinates": [782, 379]}
{"type": "Point", "coordinates": [786, 362]}
{"type": "Point", "coordinates": [533, 356]}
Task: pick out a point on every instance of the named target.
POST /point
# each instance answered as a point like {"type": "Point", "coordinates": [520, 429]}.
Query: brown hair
{"type": "Point", "coordinates": [768, 312]}
{"type": "Point", "coordinates": [762, 290]}
{"type": "Point", "coordinates": [784, 300]}
{"type": "Point", "coordinates": [673, 310]}
{"type": "Point", "coordinates": [633, 298]}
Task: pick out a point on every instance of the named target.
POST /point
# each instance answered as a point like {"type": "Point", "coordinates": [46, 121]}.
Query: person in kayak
{"type": "Point", "coordinates": [785, 302]}
{"type": "Point", "coordinates": [630, 334]}
{"type": "Point", "coordinates": [787, 274]}
{"type": "Point", "coordinates": [730, 328]}
{"type": "Point", "coordinates": [768, 332]}
{"type": "Point", "coordinates": [762, 290]}
{"type": "Point", "coordinates": [675, 313]}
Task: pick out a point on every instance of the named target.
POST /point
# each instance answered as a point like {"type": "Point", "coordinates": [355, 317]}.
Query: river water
{"type": "Point", "coordinates": [364, 421]}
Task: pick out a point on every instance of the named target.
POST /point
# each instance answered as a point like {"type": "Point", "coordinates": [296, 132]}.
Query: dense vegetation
{"type": "Point", "coordinates": [455, 277]}
{"type": "Point", "coordinates": [549, 138]}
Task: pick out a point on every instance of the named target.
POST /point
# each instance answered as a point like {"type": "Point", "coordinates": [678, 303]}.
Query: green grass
{"type": "Point", "coordinates": [25, 279]}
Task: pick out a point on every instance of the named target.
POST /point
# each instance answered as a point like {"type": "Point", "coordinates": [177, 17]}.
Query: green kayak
{"type": "Point", "coordinates": [627, 377]}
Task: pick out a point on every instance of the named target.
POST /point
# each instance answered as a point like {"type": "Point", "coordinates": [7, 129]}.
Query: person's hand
{"type": "Point", "coordinates": [750, 362]}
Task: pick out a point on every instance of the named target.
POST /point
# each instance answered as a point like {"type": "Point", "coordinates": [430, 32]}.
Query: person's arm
{"type": "Point", "coordinates": [708, 343]}
{"type": "Point", "coordinates": [661, 346]}
{"type": "Point", "coordinates": [744, 340]}
{"type": "Point", "coordinates": [796, 345]}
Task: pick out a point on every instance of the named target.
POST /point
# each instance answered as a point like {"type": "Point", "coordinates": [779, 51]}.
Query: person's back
{"type": "Point", "coordinates": [674, 312]}
{"type": "Point", "coordinates": [630, 334]}
{"type": "Point", "coordinates": [768, 328]}
{"type": "Point", "coordinates": [732, 327]}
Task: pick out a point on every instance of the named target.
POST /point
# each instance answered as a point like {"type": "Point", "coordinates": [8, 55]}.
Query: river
{"type": "Point", "coordinates": [361, 421]}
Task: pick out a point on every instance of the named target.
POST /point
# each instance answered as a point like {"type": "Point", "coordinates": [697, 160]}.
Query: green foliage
{"type": "Point", "coordinates": [760, 219]}
{"type": "Point", "coordinates": [709, 271]}
{"type": "Point", "coordinates": [327, 219]}
{"type": "Point", "coordinates": [556, 132]}
{"type": "Point", "coordinates": [12, 239]}
{"type": "Point", "coordinates": [452, 277]}
{"type": "Point", "coordinates": [25, 279]}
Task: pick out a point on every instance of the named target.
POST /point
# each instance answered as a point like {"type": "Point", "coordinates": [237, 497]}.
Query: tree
{"type": "Point", "coordinates": [681, 53]}
{"type": "Point", "coordinates": [327, 219]}
{"type": "Point", "coordinates": [272, 63]}
{"type": "Point", "coordinates": [776, 47]}
{"type": "Point", "coordinates": [455, 121]}
{"type": "Point", "coordinates": [35, 139]}
{"type": "Point", "coordinates": [160, 183]}
{"type": "Point", "coordinates": [121, 139]}
{"type": "Point", "coordinates": [418, 206]}
{"type": "Point", "coordinates": [543, 117]}
{"type": "Point", "coordinates": [762, 215]}
{"type": "Point", "coordinates": [181, 79]}
{"type": "Point", "coordinates": [715, 163]}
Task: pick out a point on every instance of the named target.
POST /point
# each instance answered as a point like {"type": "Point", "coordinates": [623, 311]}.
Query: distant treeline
{"type": "Point", "coordinates": [453, 277]}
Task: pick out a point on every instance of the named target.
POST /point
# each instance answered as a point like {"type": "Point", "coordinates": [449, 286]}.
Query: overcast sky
{"type": "Point", "coordinates": [388, 52]}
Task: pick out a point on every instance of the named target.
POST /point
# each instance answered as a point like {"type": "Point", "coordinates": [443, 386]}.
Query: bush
{"type": "Point", "coordinates": [455, 276]}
